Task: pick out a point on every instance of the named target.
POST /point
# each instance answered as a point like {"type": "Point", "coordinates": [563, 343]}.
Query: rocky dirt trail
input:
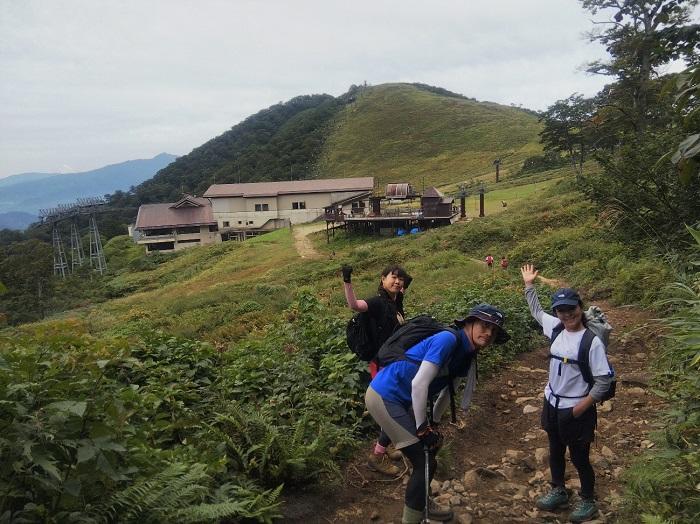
{"type": "Point", "coordinates": [496, 464]}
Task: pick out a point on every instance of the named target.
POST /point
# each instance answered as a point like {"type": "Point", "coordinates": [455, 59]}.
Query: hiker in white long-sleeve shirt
{"type": "Point", "coordinates": [569, 414]}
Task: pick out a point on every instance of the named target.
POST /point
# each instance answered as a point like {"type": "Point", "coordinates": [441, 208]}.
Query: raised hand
{"type": "Point", "coordinates": [529, 274]}
{"type": "Point", "coordinates": [347, 273]}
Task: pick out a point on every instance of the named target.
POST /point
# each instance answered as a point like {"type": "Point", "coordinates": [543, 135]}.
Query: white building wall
{"type": "Point", "coordinates": [240, 212]}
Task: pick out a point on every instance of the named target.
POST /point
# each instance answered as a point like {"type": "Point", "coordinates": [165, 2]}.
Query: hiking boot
{"type": "Point", "coordinates": [382, 464]}
{"type": "Point", "coordinates": [585, 509]}
{"type": "Point", "coordinates": [556, 498]}
{"type": "Point", "coordinates": [438, 512]}
{"type": "Point", "coordinates": [411, 516]}
{"type": "Point", "coordinates": [393, 453]}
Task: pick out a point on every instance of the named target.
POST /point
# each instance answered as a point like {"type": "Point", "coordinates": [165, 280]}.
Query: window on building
{"type": "Point", "coordinates": [358, 205]}
{"type": "Point", "coordinates": [157, 232]}
{"type": "Point", "coordinates": [187, 229]}
{"type": "Point", "coordinates": [213, 228]}
{"type": "Point", "coordinates": [298, 205]}
{"type": "Point", "coordinates": [226, 223]}
{"type": "Point", "coordinates": [262, 207]}
{"type": "Point", "coordinates": [160, 246]}
{"type": "Point", "coordinates": [240, 222]}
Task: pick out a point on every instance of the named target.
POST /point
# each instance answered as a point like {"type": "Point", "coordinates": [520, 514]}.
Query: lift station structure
{"type": "Point", "coordinates": [89, 207]}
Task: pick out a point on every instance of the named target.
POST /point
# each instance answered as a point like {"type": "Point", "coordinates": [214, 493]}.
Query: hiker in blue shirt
{"type": "Point", "coordinates": [397, 398]}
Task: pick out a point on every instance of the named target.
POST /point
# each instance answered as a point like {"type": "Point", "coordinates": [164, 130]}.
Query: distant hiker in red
{"type": "Point", "coordinates": [504, 263]}
{"type": "Point", "coordinates": [386, 312]}
{"type": "Point", "coordinates": [489, 261]}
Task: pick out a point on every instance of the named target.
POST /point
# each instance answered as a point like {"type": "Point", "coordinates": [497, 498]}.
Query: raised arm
{"type": "Point", "coordinates": [353, 303]}
{"type": "Point", "coordinates": [529, 275]}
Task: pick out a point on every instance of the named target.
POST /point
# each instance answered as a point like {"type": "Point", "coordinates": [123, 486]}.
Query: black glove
{"type": "Point", "coordinates": [407, 281]}
{"type": "Point", "coordinates": [347, 272]}
{"type": "Point", "coordinates": [429, 436]}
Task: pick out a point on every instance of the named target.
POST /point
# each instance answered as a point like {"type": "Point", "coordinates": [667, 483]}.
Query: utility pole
{"type": "Point", "coordinates": [481, 201]}
{"type": "Point", "coordinates": [497, 163]}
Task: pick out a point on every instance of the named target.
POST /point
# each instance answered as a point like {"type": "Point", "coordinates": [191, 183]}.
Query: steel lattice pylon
{"type": "Point", "coordinates": [55, 215]}
{"type": "Point", "coordinates": [76, 246]}
{"type": "Point", "coordinates": [60, 264]}
{"type": "Point", "coordinates": [97, 256]}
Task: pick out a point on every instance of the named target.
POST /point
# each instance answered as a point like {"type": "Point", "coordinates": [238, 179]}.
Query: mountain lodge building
{"type": "Point", "coordinates": [240, 211]}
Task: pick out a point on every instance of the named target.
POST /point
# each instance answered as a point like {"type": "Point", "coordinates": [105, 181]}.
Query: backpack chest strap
{"type": "Point", "coordinates": [565, 360]}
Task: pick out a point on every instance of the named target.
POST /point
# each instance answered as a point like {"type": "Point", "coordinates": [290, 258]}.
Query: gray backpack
{"type": "Point", "coordinates": [598, 323]}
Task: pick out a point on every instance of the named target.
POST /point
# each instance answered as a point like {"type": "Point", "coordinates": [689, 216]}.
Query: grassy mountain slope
{"type": "Point", "coordinates": [401, 132]}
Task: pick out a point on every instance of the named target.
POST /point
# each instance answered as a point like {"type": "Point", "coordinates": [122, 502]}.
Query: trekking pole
{"type": "Point", "coordinates": [426, 512]}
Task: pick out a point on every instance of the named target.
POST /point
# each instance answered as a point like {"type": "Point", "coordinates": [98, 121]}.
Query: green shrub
{"type": "Point", "coordinates": [639, 282]}
{"type": "Point", "coordinates": [662, 486]}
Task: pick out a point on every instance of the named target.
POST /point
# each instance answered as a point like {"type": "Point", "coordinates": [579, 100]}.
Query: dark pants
{"type": "Point", "coordinates": [415, 490]}
{"type": "Point", "coordinates": [577, 434]}
{"type": "Point", "coordinates": [383, 439]}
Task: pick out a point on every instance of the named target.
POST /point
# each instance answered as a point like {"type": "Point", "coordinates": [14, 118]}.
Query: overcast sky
{"type": "Point", "coordinates": [88, 83]}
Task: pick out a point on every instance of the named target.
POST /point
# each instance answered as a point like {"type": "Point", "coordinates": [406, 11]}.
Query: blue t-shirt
{"type": "Point", "coordinates": [393, 383]}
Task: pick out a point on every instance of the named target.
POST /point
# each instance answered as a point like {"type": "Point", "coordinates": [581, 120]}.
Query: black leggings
{"type": "Point", "coordinates": [579, 452]}
{"type": "Point", "coordinates": [415, 490]}
{"type": "Point", "coordinates": [576, 434]}
{"type": "Point", "coordinates": [383, 439]}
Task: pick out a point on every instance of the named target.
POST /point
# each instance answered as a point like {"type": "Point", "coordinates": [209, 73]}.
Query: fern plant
{"type": "Point", "coordinates": [182, 493]}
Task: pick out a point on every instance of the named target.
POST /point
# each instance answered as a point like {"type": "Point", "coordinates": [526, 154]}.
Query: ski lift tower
{"type": "Point", "coordinates": [90, 206]}
{"type": "Point", "coordinates": [72, 212]}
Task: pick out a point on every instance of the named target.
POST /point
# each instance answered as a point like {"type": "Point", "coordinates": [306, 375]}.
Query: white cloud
{"type": "Point", "coordinates": [87, 83]}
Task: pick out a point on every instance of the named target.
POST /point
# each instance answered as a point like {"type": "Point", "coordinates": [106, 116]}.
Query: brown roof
{"type": "Point", "coordinates": [261, 189]}
{"type": "Point", "coordinates": [431, 192]}
{"type": "Point", "coordinates": [189, 211]}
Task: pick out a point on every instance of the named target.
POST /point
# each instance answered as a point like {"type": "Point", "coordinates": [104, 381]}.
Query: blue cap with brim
{"type": "Point", "coordinates": [565, 296]}
{"type": "Point", "coordinates": [490, 314]}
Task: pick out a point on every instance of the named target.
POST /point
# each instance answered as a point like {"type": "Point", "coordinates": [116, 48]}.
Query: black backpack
{"type": "Point", "coordinates": [405, 337]}
{"type": "Point", "coordinates": [361, 336]}
{"type": "Point", "coordinates": [411, 333]}
{"type": "Point", "coordinates": [582, 360]}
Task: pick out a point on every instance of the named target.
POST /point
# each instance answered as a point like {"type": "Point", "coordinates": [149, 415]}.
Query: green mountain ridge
{"type": "Point", "coordinates": [404, 133]}
{"type": "Point", "coordinates": [394, 132]}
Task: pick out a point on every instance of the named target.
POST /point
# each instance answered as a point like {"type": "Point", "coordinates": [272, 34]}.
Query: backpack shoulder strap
{"type": "Point", "coordinates": [584, 351]}
{"type": "Point", "coordinates": [556, 331]}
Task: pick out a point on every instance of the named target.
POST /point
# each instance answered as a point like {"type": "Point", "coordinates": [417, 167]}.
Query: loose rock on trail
{"type": "Point", "coordinates": [495, 466]}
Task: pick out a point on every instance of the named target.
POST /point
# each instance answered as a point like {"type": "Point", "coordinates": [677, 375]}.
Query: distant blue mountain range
{"type": "Point", "coordinates": [16, 220]}
{"type": "Point", "coordinates": [30, 192]}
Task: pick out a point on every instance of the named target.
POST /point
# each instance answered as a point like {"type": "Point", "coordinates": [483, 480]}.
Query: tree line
{"type": "Point", "coordinates": [642, 128]}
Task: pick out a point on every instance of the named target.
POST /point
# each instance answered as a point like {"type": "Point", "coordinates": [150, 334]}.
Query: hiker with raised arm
{"type": "Point", "coordinates": [381, 315]}
{"type": "Point", "coordinates": [397, 398]}
{"type": "Point", "coordinates": [579, 376]}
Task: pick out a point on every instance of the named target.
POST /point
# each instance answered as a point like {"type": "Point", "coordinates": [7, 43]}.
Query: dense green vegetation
{"type": "Point", "coordinates": [663, 484]}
